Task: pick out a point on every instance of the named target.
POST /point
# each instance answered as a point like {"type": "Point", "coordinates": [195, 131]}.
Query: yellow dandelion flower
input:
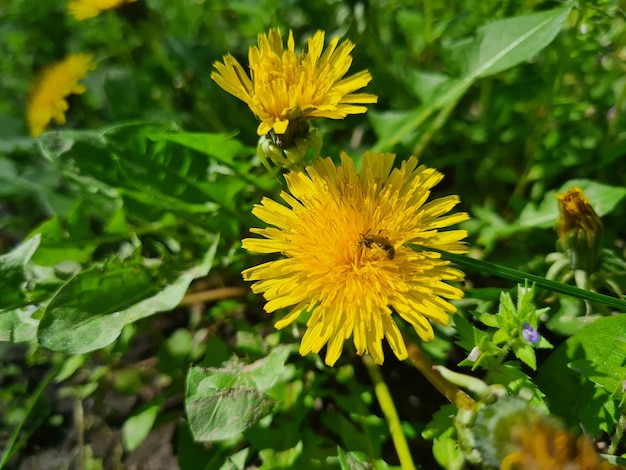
{"type": "Point", "coordinates": [343, 234]}
{"type": "Point", "coordinates": [85, 9]}
{"type": "Point", "coordinates": [577, 217]}
{"type": "Point", "coordinates": [580, 230]}
{"type": "Point", "coordinates": [285, 86]}
{"type": "Point", "coordinates": [48, 95]}
{"type": "Point", "coordinates": [543, 446]}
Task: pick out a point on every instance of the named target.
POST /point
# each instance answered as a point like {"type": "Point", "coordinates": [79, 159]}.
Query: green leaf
{"type": "Point", "coordinates": [70, 240]}
{"type": "Point", "coordinates": [13, 275]}
{"type": "Point", "coordinates": [446, 451]}
{"type": "Point", "coordinates": [225, 149]}
{"type": "Point", "coordinates": [602, 197]}
{"type": "Point", "coordinates": [352, 460]}
{"type": "Point", "coordinates": [503, 44]}
{"type": "Point", "coordinates": [18, 325]}
{"type": "Point", "coordinates": [441, 422]}
{"type": "Point", "coordinates": [89, 311]}
{"type": "Point", "coordinates": [273, 458]}
{"type": "Point", "coordinates": [223, 402]}
{"type": "Point", "coordinates": [497, 46]}
{"type": "Point", "coordinates": [598, 351]}
{"type": "Point", "coordinates": [136, 428]}
{"type": "Point", "coordinates": [591, 363]}
{"type": "Point", "coordinates": [160, 176]}
{"type": "Point", "coordinates": [393, 126]}
{"type": "Point", "coordinates": [525, 353]}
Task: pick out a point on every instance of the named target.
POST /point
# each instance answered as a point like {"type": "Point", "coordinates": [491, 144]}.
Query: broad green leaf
{"type": "Point", "coordinates": [225, 149]}
{"type": "Point", "coordinates": [89, 311]}
{"type": "Point", "coordinates": [602, 197]}
{"type": "Point", "coordinates": [598, 351]}
{"type": "Point", "coordinates": [13, 275]}
{"type": "Point", "coordinates": [218, 414]}
{"type": "Point", "coordinates": [592, 363]}
{"type": "Point", "coordinates": [497, 46]}
{"type": "Point", "coordinates": [223, 402]}
{"type": "Point", "coordinates": [18, 325]}
{"type": "Point", "coordinates": [137, 427]}
{"type": "Point", "coordinates": [158, 176]}
{"type": "Point", "coordinates": [506, 43]}
{"type": "Point", "coordinates": [70, 240]}
{"type": "Point", "coordinates": [222, 147]}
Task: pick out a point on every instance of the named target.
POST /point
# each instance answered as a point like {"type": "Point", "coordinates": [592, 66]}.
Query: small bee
{"type": "Point", "coordinates": [381, 242]}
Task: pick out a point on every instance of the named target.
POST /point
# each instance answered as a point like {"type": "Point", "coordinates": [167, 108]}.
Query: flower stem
{"type": "Point", "coordinates": [619, 433]}
{"type": "Point", "coordinates": [391, 415]}
{"type": "Point", "coordinates": [454, 394]}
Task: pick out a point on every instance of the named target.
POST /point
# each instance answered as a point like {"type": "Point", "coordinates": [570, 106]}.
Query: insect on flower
{"type": "Point", "coordinates": [381, 242]}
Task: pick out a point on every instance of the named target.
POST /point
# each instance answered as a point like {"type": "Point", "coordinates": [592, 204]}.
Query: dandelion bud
{"type": "Point", "coordinates": [291, 153]}
{"type": "Point", "coordinates": [580, 230]}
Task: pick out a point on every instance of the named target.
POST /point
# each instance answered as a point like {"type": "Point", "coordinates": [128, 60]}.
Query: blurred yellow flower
{"type": "Point", "coordinates": [543, 446]}
{"type": "Point", "coordinates": [85, 9]}
{"type": "Point", "coordinates": [580, 230]}
{"type": "Point", "coordinates": [577, 215]}
{"type": "Point", "coordinates": [286, 87]}
{"type": "Point", "coordinates": [343, 235]}
{"type": "Point", "coordinates": [47, 98]}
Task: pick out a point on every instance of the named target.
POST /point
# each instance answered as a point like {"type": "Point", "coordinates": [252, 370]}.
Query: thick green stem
{"type": "Point", "coordinates": [391, 415]}
{"type": "Point", "coordinates": [454, 394]}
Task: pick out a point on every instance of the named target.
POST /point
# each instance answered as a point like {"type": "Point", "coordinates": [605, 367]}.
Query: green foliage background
{"type": "Point", "coordinates": [144, 195]}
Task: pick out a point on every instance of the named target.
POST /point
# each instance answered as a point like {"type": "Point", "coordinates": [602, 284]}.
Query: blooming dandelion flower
{"type": "Point", "coordinates": [343, 235]}
{"type": "Point", "coordinates": [286, 87]}
{"type": "Point", "coordinates": [48, 95]}
{"type": "Point", "coordinates": [85, 9]}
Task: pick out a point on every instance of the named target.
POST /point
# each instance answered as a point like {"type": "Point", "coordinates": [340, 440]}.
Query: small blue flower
{"type": "Point", "coordinates": [529, 333]}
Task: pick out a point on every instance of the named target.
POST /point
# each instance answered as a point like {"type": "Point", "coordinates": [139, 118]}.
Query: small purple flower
{"type": "Point", "coordinates": [529, 333]}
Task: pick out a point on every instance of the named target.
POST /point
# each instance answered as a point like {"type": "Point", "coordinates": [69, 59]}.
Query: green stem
{"type": "Point", "coordinates": [521, 277]}
{"type": "Point", "coordinates": [619, 433]}
{"type": "Point", "coordinates": [391, 415]}
{"type": "Point", "coordinates": [10, 447]}
{"type": "Point", "coordinates": [437, 124]}
{"type": "Point", "coordinates": [454, 394]}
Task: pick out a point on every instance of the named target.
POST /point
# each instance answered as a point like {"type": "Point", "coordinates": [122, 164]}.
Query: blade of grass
{"type": "Point", "coordinates": [11, 448]}
{"type": "Point", "coordinates": [520, 277]}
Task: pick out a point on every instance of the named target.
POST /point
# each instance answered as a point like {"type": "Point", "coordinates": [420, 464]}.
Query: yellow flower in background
{"type": "Point", "coordinates": [285, 86]}
{"type": "Point", "coordinates": [577, 216]}
{"type": "Point", "coordinates": [47, 98]}
{"type": "Point", "coordinates": [580, 230]}
{"type": "Point", "coordinates": [543, 446]}
{"type": "Point", "coordinates": [343, 235]}
{"type": "Point", "coordinates": [85, 9]}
